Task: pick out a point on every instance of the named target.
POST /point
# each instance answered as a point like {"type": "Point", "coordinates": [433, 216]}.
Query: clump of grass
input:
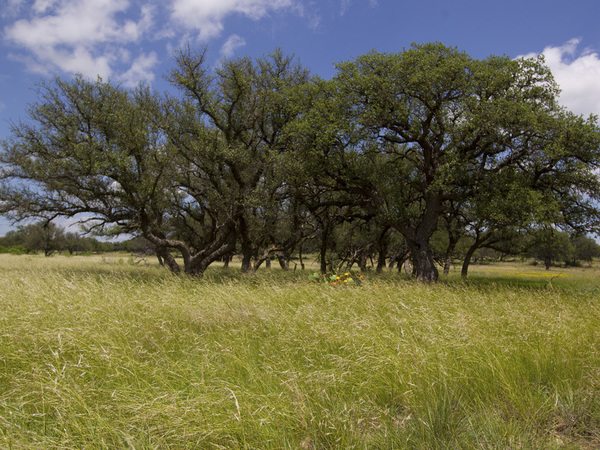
{"type": "Point", "coordinates": [101, 355]}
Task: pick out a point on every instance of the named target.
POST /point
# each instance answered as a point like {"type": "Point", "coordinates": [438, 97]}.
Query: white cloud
{"type": "Point", "coordinates": [140, 71]}
{"type": "Point", "coordinates": [110, 38]}
{"type": "Point", "coordinates": [72, 22]}
{"type": "Point", "coordinates": [75, 60]}
{"type": "Point", "coordinates": [207, 16]}
{"type": "Point", "coordinates": [577, 72]}
{"type": "Point", "coordinates": [231, 45]}
{"type": "Point", "coordinates": [76, 35]}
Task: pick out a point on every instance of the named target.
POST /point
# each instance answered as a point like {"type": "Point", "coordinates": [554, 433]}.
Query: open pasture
{"type": "Point", "coordinates": [96, 352]}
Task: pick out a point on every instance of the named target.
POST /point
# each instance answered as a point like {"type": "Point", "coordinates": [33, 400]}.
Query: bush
{"type": "Point", "coordinates": [14, 250]}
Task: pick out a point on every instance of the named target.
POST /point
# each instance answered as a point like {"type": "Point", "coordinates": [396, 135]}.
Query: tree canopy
{"type": "Point", "coordinates": [257, 156]}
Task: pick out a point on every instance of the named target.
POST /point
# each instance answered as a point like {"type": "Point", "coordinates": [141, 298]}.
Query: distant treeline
{"type": "Point", "coordinates": [353, 247]}
{"type": "Point", "coordinates": [48, 238]}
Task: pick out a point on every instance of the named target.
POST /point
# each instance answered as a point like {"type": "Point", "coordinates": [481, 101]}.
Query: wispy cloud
{"type": "Point", "coordinates": [231, 45]}
{"type": "Point", "coordinates": [11, 8]}
{"type": "Point", "coordinates": [577, 72]}
{"type": "Point", "coordinates": [207, 16]}
{"type": "Point", "coordinates": [309, 10]}
{"type": "Point", "coordinates": [344, 6]}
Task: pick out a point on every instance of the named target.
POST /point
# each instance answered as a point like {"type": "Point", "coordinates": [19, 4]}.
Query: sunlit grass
{"type": "Point", "coordinates": [102, 353]}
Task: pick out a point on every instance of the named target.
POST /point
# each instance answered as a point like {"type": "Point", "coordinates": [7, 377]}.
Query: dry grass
{"type": "Point", "coordinates": [104, 354]}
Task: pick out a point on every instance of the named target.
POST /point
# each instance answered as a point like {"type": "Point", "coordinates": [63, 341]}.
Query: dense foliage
{"type": "Point", "coordinates": [396, 152]}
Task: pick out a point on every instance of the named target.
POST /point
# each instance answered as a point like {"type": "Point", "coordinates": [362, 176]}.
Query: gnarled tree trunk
{"type": "Point", "coordinates": [423, 264]}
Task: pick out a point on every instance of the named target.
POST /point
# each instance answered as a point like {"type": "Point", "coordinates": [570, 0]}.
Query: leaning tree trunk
{"type": "Point", "coordinates": [465, 267]}
{"type": "Point", "coordinates": [264, 258]}
{"type": "Point", "coordinates": [480, 241]}
{"type": "Point", "coordinates": [166, 258]}
{"type": "Point", "coordinates": [284, 261]}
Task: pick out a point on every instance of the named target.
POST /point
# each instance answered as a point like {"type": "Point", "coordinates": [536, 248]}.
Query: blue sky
{"type": "Point", "coordinates": [131, 41]}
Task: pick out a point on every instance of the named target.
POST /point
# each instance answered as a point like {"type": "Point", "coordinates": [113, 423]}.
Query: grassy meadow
{"type": "Point", "coordinates": [96, 352]}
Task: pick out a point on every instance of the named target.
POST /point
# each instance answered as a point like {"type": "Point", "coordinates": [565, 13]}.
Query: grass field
{"type": "Point", "coordinates": [98, 353]}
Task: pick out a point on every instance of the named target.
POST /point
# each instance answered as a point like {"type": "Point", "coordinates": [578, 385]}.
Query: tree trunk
{"type": "Point", "coordinates": [465, 267]}
{"type": "Point", "coordinates": [247, 252]}
{"type": "Point", "coordinates": [283, 260]}
{"type": "Point", "coordinates": [423, 264]}
{"type": "Point", "coordinates": [202, 260]}
{"type": "Point", "coordinates": [381, 258]}
{"type": "Point", "coordinates": [481, 239]}
{"type": "Point", "coordinates": [168, 259]}
{"type": "Point", "coordinates": [447, 264]}
{"type": "Point", "coordinates": [424, 267]}
{"type": "Point", "coordinates": [323, 255]}
{"type": "Point", "coordinates": [417, 239]}
{"type": "Point", "coordinates": [382, 249]}
{"type": "Point", "coordinates": [300, 255]}
{"type": "Point", "coordinates": [448, 256]}
{"type": "Point", "coordinates": [362, 261]}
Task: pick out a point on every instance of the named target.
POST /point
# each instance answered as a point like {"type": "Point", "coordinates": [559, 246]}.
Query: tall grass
{"type": "Point", "coordinates": [104, 354]}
